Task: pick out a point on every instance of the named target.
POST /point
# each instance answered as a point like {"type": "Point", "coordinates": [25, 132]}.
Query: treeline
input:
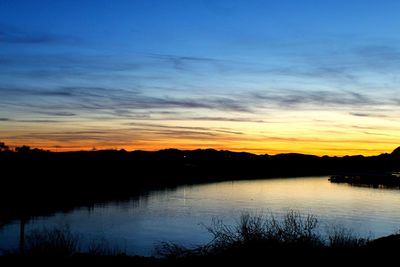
{"type": "Point", "coordinates": [35, 181]}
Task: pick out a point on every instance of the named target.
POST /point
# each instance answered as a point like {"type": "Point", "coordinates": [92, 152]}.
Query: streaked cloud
{"type": "Point", "coordinates": [299, 98]}
{"type": "Point", "coordinates": [373, 115]}
{"type": "Point", "coordinates": [57, 113]}
{"type": "Point", "coordinates": [14, 35]}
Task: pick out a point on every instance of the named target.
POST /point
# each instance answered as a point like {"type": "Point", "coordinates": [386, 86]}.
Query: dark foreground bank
{"type": "Point", "coordinates": [289, 257]}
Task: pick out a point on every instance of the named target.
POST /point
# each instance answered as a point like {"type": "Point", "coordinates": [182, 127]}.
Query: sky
{"type": "Point", "coordinates": [314, 77]}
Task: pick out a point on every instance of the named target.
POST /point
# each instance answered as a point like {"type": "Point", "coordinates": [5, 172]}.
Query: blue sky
{"type": "Point", "coordinates": [226, 74]}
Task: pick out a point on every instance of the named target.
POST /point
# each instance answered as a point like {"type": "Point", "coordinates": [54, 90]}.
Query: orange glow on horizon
{"type": "Point", "coordinates": [319, 151]}
{"type": "Point", "coordinates": [338, 134]}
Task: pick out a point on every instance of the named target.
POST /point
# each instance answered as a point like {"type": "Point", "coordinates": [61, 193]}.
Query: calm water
{"type": "Point", "coordinates": [178, 215]}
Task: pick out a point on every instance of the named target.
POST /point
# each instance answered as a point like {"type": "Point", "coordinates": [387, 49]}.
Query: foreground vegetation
{"type": "Point", "coordinates": [291, 239]}
{"type": "Point", "coordinates": [259, 234]}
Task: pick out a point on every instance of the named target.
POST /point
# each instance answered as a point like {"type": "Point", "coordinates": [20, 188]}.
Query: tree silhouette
{"type": "Point", "coordinates": [3, 147]}
{"type": "Point", "coordinates": [23, 149]}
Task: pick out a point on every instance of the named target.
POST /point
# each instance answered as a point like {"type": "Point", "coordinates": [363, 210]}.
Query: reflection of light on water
{"type": "Point", "coordinates": [397, 174]}
{"type": "Point", "coordinates": [175, 214]}
{"type": "Point", "coordinates": [184, 196]}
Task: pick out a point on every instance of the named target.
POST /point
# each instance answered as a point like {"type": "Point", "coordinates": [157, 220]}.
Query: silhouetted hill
{"type": "Point", "coordinates": [36, 182]}
{"type": "Point", "coordinates": [396, 152]}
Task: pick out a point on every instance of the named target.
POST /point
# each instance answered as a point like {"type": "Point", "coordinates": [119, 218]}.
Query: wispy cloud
{"type": "Point", "coordinates": [373, 115]}
{"type": "Point", "coordinates": [190, 129]}
{"type": "Point", "coordinates": [178, 59]}
{"type": "Point", "coordinates": [28, 121]}
{"type": "Point", "coordinates": [226, 119]}
{"type": "Point", "coordinates": [298, 98]}
{"type": "Point", "coordinates": [14, 35]}
{"type": "Point", "coordinates": [96, 98]}
{"type": "Point", "coordinates": [57, 113]}
{"type": "Point", "coordinates": [99, 103]}
{"type": "Point", "coordinates": [39, 121]}
{"type": "Point", "coordinates": [126, 136]}
{"type": "Point", "coordinates": [50, 64]}
{"type": "Point", "coordinates": [379, 54]}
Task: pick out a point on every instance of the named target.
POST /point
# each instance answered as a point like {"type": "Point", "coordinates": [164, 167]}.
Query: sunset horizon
{"type": "Point", "coordinates": [199, 132]}
{"type": "Point", "coordinates": [256, 151]}
{"type": "Point", "coordinates": [260, 77]}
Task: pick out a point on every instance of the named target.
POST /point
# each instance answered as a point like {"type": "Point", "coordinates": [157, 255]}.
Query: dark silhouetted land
{"type": "Point", "coordinates": [37, 182]}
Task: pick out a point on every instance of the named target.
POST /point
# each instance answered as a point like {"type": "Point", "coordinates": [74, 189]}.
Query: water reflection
{"type": "Point", "coordinates": [177, 214]}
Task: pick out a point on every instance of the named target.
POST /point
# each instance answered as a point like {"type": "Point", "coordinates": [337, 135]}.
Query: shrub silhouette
{"type": "Point", "coordinates": [252, 231]}
{"type": "Point", "coordinates": [340, 237]}
{"type": "Point", "coordinates": [62, 242]}
{"type": "Point", "coordinates": [254, 234]}
{"type": "Point", "coordinates": [57, 242]}
{"type": "Point", "coordinates": [292, 229]}
{"type": "Point", "coordinates": [102, 247]}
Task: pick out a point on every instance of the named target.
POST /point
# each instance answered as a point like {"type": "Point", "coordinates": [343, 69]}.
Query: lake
{"type": "Point", "coordinates": [179, 215]}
